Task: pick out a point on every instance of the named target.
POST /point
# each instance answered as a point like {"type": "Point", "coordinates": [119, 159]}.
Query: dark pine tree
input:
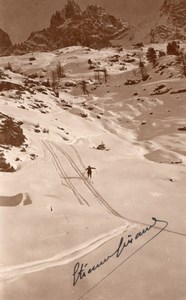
{"type": "Point", "coordinates": [173, 48]}
{"type": "Point", "coordinates": [151, 56]}
{"type": "Point", "coordinates": [181, 61]}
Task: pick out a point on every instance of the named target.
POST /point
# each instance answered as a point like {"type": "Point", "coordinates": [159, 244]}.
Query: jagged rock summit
{"type": "Point", "coordinates": [5, 41]}
{"type": "Point", "coordinates": [71, 10]}
{"type": "Point", "coordinates": [71, 26]}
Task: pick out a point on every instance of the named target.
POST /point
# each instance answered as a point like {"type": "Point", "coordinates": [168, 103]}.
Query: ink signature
{"type": "Point", "coordinates": [83, 270]}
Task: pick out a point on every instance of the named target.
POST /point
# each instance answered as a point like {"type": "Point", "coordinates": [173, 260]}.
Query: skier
{"type": "Point", "coordinates": [89, 171]}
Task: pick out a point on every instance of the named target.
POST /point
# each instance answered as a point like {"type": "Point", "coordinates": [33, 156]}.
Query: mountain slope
{"type": "Point", "coordinates": [173, 12]}
{"type": "Point", "coordinates": [168, 22]}
{"type": "Point", "coordinates": [176, 12]}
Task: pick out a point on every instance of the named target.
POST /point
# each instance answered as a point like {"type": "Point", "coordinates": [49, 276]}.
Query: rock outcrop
{"type": "Point", "coordinates": [5, 41]}
{"type": "Point", "coordinates": [11, 132]}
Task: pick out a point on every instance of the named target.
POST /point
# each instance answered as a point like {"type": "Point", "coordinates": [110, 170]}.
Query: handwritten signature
{"type": "Point", "coordinates": [82, 270]}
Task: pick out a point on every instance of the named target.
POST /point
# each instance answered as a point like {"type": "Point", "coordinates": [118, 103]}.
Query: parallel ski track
{"type": "Point", "coordinates": [99, 198]}
{"type": "Point", "coordinates": [63, 175]}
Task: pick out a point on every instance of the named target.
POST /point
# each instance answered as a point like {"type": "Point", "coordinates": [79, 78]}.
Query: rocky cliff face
{"type": "Point", "coordinates": [5, 41]}
{"type": "Point", "coordinates": [173, 13]}
{"type": "Point", "coordinates": [168, 22]}
{"type": "Point", "coordinates": [72, 26]}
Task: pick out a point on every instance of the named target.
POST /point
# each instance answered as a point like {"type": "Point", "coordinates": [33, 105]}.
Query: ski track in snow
{"type": "Point", "coordinates": [88, 185]}
{"type": "Point", "coordinates": [64, 176]}
{"type": "Point", "coordinates": [11, 273]}
{"type": "Point", "coordinates": [101, 200]}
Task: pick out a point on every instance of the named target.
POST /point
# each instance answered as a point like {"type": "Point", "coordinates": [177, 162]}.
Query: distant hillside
{"type": "Point", "coordinates": [71, 26]}
{"type": "Point", "coordinates": [174, 14]}
{"type": "Point", "coordinates": [168, 22]}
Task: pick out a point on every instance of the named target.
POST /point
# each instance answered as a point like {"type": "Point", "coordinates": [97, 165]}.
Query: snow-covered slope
{"type": "Point", "coordinates": [53, 216]}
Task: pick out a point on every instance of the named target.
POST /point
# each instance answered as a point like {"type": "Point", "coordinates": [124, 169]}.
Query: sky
{"type": "Point", "coordinates": [20, 17]}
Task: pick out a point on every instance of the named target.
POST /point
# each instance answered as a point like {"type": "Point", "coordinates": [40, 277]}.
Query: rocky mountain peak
{"type": "Point", "coordinates": [71, 26]}
{"type": "Point", "coordinates": [71, 10]}
{"type": "Point", "coordinates": [94, 11]}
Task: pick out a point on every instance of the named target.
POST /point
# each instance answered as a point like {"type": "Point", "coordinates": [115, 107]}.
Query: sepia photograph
{"type": "Point", "coordinates": [92, 149]}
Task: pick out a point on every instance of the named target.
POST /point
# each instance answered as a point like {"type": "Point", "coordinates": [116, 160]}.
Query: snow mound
{"type": "Point", "coordinates": [15, 200]}
{"type": "Point", "coordinates": [164, 156]}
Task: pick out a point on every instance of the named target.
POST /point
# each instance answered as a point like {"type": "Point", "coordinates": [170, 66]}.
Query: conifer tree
{"type": "Point", "coordinates": [173, 48]}
{"type": "Point", "coordinates": [181, 61]}
{"type": "Point", "coordinates": [60, 71]}
{"type": "Point", "coordinates": [151, 56]}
